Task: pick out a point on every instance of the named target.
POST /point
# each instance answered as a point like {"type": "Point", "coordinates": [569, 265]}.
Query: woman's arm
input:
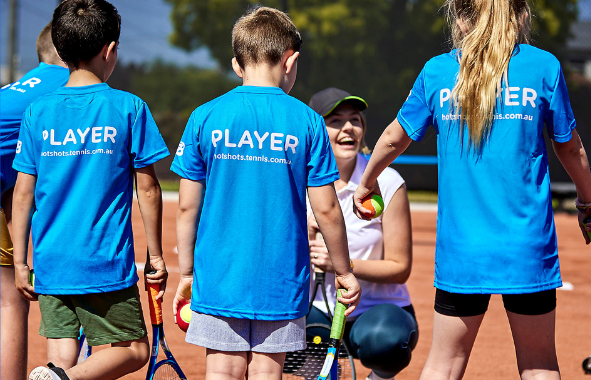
{"type": "Point", "coordinates": [396, 265]}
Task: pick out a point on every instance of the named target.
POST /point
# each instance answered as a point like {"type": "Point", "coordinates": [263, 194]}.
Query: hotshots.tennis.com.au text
{"type": "Point", "coordinates": [498, 116]}
{"type": "Point", "coordinates": [82, 152]}
{"type": "Point", "coordinates": [242, 157]}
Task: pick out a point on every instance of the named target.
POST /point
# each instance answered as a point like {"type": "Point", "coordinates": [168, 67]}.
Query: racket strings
{"type": "Point", "coordinates": [166, 372]}
{"type": "Point", "coordinates": [307, 364]}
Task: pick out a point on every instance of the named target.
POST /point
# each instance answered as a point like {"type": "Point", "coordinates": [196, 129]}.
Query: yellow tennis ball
{"type": "Point", "coordinates": [374, 203]}
{"type": "Point", "coordinates": [186, 313]}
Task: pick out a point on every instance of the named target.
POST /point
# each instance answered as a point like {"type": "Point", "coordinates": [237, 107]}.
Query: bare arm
{"type": "Point", "coordinates": [396, 266]}
{"type": "Point", "coordinates": [23, 205]}
{"type": "Point", "coordinates": [327, 211]}
{"type": "Point", "coordinates": [149, 197]}
{"type": "Point", "coordinates": [187, 220]}
{"type": "Point", "coordinates": [392, 143]}
{"type": "Point", "coordinates": [573, 158]}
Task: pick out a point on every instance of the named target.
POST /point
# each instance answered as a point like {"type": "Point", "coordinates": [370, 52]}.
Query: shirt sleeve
{"type": "Point", "coordinates": [321, 168]}
{"type": "Point", "coordinates": [188, 162]}
{"type": "Point", "coordinates": [147, 144]}
{"type": "Point", "coordinates": [559, 119]}
{"type": "Point", "coordinates": [24, 160]}
{"type": "Point", "coordinates": [415, 116]}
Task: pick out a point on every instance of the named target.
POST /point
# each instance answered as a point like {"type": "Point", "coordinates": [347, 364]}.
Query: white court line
{"type": "Point", "coordinates": [173, 196]}
{"type": "Point", "coordinates": [567, 286]}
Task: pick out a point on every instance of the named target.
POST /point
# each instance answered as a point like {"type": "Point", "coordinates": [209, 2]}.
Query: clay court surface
{"type": "Point", "coordinates": [493, 355]}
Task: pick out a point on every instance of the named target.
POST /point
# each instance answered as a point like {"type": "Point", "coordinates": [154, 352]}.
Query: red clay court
{"type": "Point", "coordinates": [493, 357]}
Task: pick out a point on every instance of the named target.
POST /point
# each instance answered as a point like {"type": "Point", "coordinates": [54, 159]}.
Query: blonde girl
{"type": "Point", "coordinates": [489, 100]}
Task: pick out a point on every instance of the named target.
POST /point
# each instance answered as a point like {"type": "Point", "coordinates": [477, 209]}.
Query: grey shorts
{"type": "Point", "coordinates": [233, 334]}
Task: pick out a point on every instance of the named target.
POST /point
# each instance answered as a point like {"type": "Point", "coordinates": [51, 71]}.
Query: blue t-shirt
{"type": "Point", "coordinates": [257, 149]}
{"type": "Point", "coordinates": [14, 100]}
{"type": "Point", "coordinates": [83, 144]}
{"type": "Point", "coordinates": [495, 225]}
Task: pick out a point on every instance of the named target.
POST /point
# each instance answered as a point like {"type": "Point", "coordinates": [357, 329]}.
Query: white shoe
{"type": "Point", "coordinates": [45, 373]}
{"type": "Point", "coordinates": [373, 376]}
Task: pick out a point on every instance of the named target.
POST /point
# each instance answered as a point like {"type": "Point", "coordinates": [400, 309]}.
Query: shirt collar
{"type": "Point", "coordinates": [355, 179]}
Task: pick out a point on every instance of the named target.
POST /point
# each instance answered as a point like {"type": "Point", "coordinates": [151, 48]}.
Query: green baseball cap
{"type": "Point", "coordinates": [325, 101]}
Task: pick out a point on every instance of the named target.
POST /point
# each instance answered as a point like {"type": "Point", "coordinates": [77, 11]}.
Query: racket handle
{"type": "Point", "coordinates": [155, 304]}
{"type": "Point", "coordinates": [338, 321]}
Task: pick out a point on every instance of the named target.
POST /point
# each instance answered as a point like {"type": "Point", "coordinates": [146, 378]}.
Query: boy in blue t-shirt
{"type": "Point", "coordinates": [79, 150]}
{"type": "Point", "coordinates": [246, 159]}
{"type": "Point", "coordinates": [14, 99]}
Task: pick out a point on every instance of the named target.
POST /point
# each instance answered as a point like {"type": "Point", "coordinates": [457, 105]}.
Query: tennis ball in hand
{"type": "Point", "coordinates": [374, 203]}
{"type": "Point", "coordinates": [183, 315]}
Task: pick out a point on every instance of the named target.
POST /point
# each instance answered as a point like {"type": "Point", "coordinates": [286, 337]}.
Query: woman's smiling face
{"type": "Point", "coordinates": [345, 131]}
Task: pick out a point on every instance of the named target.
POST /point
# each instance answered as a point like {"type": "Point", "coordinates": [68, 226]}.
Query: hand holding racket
{"type": "Point", "coordinates": [155, 273]}
{"type": "Point", "coordinates": [167, 368]}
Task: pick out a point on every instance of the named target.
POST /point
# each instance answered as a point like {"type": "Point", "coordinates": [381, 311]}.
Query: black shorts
{"type": "Point", "coordinates": [469, 305]}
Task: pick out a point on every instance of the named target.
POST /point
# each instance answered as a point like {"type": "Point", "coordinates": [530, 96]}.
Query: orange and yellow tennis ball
{"type": "Point", "coordinates": [183, 315]}
{"type": "Point", "coordinates": [374, 203]}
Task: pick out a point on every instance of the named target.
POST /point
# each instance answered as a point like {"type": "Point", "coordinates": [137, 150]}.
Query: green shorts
{"type": "Point", "coordinates": [106, 317]}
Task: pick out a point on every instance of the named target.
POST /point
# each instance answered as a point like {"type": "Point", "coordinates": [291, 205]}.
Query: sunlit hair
{"type": "Point", "coordinates": [45, 50]}
{"type": "Point", "coordinates": [493, 28]}
{"type": "Point", "coordinates": [263, 35]}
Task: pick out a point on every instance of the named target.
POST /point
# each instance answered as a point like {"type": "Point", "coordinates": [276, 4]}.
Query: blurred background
{"type": "Point", "coordinates": [175, 54]}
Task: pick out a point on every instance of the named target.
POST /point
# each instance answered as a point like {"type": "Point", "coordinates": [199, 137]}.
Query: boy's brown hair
{"type": "Point", "coordinates": [264, 34]}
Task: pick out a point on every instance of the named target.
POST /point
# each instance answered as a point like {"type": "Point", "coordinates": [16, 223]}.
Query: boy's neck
{"type": "Point", "coordinates": [87, 73]}
{"type": "Point", "coordinates": [262, 75]}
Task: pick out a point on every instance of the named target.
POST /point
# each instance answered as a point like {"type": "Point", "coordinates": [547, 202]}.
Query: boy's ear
{"type": "Point", "coordinates": [109, 50]}
{"type": "Point", "coordinates": [290, 60]}
{"type": "Point", "coordinates": [237, 69]}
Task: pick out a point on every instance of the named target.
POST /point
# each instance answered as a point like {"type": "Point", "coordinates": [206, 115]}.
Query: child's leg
{"type": "Point", "coordinates": [532, 320]}
{"type": "Point", "coordinates": [263, 366]}
{"type": "Point", "coordinates": [455, 325]}
{"type": "Point", "coordinates": [14, 316]}
{"type": "Point", "coordinates": [114, 362]}
{"type": "Point", "coordinates": [63, 352]}
{"type": "Point", "coordinates": [225, 365]}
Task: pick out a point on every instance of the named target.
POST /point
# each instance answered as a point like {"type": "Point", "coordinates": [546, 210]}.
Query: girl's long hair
{"type": "Point", "coordinates": [493, 28]}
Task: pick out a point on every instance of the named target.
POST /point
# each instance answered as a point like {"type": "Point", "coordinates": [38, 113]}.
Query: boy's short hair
{"type": "Point", "coordinates": [264, 34]}
{"type": "Point", "coordinates": [81, 28]}
{"type": "Point", "coordinates": [45, 49]}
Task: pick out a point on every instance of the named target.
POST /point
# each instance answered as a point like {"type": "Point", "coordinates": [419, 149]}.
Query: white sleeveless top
{"type": "Point", "coordinates": [366, 242]}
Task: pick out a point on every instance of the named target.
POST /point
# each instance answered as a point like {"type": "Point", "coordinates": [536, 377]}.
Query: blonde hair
{"type": "Point", "coordinates": [263, 35]}
{"type": "Point", "coordinates": [492, 30]}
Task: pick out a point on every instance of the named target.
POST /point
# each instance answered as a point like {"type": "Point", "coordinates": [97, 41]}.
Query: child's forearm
{"type": "Point", "coordinates": [23, 203]}
{"type": "Point", "coordinates": [328, 214]}
{"type": "Point", "coordinates": [573, 158]}
{"type": "Point", "coordinates": [393, 141]}
{"type": "Point", "coordinates": [149, 197]}
{"type": "Point", "coordinates": [187, 220]}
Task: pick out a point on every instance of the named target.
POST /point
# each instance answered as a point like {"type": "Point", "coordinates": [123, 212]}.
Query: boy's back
{"type": "Point", "coordinates": [83, 143]}
{"type": "Point", "coordinates": [257, 149]}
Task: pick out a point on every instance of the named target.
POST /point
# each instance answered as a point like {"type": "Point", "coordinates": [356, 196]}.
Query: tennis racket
{"type": "Point", "coordinates": [165, 369]}
{"type": "Point", "coordinates": [84, 350]}
{"type": "Point", "coordinates": [308, 363]}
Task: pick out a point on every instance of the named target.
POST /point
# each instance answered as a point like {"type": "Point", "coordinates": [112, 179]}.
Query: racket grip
{"type": "Point", "coordinates": [155, 304]}
{"type": "Point", "coordinates": [338, 321]}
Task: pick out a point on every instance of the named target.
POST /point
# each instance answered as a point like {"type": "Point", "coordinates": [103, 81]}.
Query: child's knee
{"type": "Point", "coordinates": [139, 352]}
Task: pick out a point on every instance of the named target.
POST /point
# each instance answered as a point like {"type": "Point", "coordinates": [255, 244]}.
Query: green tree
{"type": "Point", "coordinates": [373, 48]}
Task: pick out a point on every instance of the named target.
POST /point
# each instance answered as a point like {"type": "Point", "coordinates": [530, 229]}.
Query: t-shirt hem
{"type": "Point", "coordinates": [497, 290]}
{"type": "Point", "coordinates": [324, 180]}
{"type": "Point", "coordinates": [87, 290]}
{"type": "Point", "coordinates": [414, 135]}
{"type": "Point", "coordinates": [245, 314]}
{"type": "Point", "coordinates": [24, 169]}
{"type": "Point", "coordinates": [185, 174]}
{"type": "Point", "coordinates": [138, 164]}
